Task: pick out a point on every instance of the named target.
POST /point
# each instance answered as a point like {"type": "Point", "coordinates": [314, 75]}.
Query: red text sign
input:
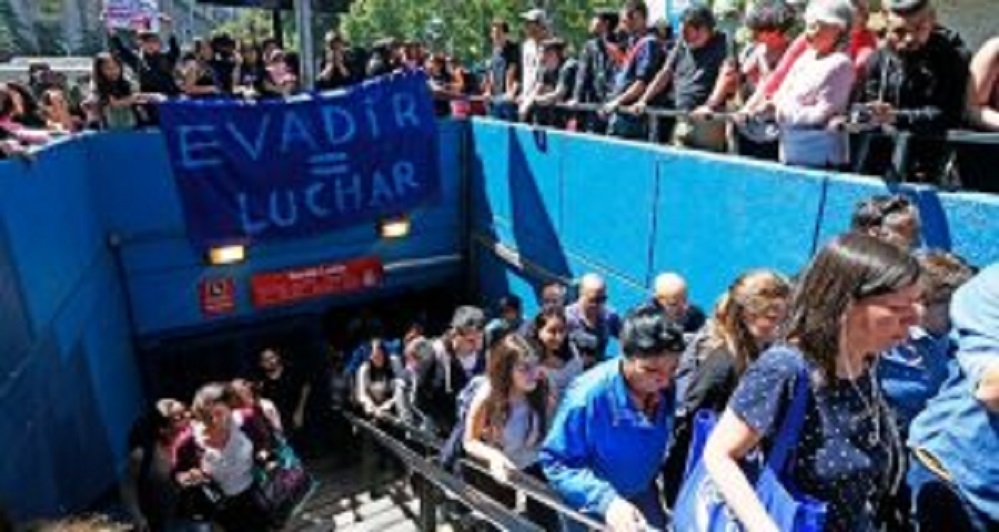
{"type": "Point", "coordinates": [290, 286]}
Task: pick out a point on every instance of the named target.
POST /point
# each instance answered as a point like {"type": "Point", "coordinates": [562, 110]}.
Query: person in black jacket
{"type": "Point", "coordinates": [597, 62]}
{"type": "Point", "coordinates": [745, 323]}
{"type": "Point", "coordinates": [457, 358]}
{"type": "Point", "coordinates": [916, 82]}
{"type": "Point", "coordinates": [153, 66]}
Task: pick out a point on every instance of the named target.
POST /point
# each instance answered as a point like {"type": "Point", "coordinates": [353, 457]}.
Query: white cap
{"type": "Point", "coordinates": [835, 12]}
{"type": "Point", "coordinates": [534, 15]}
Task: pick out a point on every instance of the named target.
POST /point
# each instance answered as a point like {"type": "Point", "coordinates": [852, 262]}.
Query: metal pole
{"type": "Point", "coordinates": [303, 9]}
{"type": "Point", "coordinates": [276, 27]}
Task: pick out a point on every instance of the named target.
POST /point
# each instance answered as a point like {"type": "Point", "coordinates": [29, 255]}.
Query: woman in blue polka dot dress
{"type": "Point", "coordinates": [856, 299]}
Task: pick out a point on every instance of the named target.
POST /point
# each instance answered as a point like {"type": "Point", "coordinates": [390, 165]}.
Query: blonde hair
{"type": "Point", "coordinates": [751, 293]}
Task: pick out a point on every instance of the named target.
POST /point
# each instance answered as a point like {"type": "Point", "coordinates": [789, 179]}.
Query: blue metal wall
{"type": "Point", "coordinates": [68, 384]}
{"type": "Point", "coordinates": [559, 204]}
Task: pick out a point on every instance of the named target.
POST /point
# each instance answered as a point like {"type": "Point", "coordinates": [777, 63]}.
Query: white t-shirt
{"type": "Point", "coordinates": [530, 59]}
{"type": "Point", "coordinates": [232, 466]}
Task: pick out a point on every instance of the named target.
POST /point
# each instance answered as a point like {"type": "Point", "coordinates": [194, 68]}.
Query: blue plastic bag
{"type": "Point", "coordinates": [700, 506]}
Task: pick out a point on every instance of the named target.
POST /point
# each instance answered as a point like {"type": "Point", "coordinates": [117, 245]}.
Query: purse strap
{"type": "Point", "coordinates": [790, 429]}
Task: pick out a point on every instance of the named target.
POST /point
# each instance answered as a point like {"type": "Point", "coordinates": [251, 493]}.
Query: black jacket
{"type": "Point", "coordinates": [595, 74]}
{"type": "Point", "coordinates": [927, 87]}
{"type": "Point", "coordinates": [155, 72]}
{"type": "Point", "coordinates": [437, 391]}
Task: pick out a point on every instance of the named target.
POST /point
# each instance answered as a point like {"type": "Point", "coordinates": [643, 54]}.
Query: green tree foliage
{"type": "Point", "coordinates": [461, 26]}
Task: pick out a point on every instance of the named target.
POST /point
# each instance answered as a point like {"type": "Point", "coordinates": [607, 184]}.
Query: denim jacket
{"type": "Point", "coordinates": [957, 429]}
{"type": "Point", "coordinates": [601, 446]}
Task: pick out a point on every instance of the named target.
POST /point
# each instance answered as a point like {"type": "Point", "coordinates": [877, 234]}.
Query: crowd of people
{"type": "Point", "coordinates": [892, 346]}
{"type": "Point", "coordinates": [888, 350]}
{"type": "Point", "coordinates": [212, 462]}
{"type": "Point", "coordinates": [806, 83]}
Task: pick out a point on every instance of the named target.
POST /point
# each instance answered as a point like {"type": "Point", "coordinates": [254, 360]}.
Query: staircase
{"type": "Point", "coordinates": [348, 499]}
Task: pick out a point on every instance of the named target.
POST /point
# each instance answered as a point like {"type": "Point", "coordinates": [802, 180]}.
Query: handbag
{"type": "Point", "coordinates": [200, 502]}
{"type": "Point", "coordinates": [282, 491]}
{"type": "Point", "coordinates": [700, 506]}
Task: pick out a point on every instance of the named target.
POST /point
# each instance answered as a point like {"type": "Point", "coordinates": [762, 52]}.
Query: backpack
{"type": "Point", "coordinates": [453, 450]}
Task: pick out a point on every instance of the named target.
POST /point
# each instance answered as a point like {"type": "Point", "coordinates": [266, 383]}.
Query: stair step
{"type": "Point", "coordinates": [381, 521]}
{"type": "Point", "coordinates": [370, 509]}
{"type": "Point", "coordinates": [403, 526]}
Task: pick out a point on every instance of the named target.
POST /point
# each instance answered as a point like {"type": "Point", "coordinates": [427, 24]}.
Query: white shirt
{"type": "Point", "coordinates": [530, 60]}
{"type": "Point", "coordinates": [232, 466]}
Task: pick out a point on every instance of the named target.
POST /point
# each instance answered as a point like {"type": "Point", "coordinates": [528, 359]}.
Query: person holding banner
{"type": "Point", "coordinates": [153, 66]}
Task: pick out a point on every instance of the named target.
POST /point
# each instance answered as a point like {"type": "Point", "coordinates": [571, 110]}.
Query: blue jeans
{"type": "Point", "coordinates": [939, 505]}
{"type": "Point", "coordinates": [503, 109]}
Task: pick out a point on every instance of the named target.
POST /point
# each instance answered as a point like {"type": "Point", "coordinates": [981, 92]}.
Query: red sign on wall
{"type": "Point", "coordinates": [217, 296]}
{"type": "Point", "coordinates": [299, 284]}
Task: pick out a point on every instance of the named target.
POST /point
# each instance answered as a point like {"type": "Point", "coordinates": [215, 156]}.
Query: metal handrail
{"type": "Point", "coordinates": [518, 481]}
{"type": "Point", "coordinates": [539, 492]}
{"type": "Point", "coordinates": [493, 512]}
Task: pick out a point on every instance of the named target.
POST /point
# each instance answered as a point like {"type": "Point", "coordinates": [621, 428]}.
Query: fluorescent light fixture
{"type": "Point", "coordinates": [226, 255]}
{"type": "Point", "coordinates": [396, 227]}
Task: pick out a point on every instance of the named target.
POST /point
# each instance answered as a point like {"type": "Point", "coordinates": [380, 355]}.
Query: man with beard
{"type": "Point", "coordinates": [916, 83]}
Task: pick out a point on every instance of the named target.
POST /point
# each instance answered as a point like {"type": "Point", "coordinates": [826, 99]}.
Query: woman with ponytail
{"type": "Point", "coordinates": [745, 322]}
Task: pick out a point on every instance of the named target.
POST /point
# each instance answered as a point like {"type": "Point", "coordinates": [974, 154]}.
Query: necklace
{"type": "Point", "coordinates": [872, 405]}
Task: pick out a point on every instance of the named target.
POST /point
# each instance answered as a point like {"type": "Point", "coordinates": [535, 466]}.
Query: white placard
{"type": "Point", "coordinates": [132, 14]}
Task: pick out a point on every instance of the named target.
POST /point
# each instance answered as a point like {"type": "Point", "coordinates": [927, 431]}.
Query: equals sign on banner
{"type": "Point", "coordinates": [328, 164]}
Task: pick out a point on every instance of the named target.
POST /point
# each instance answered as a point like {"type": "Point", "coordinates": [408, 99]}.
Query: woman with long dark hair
{"type": "Point", "coordinates": [855, 300]}
{"type": "Point", "coordinates": [508, 420]}
{"type": "Point", "coordinates": [377, 380]}
{"type": "Point", "coordinates": [560, 361]}
{"type": "Point", "coordinates": [117, 101]}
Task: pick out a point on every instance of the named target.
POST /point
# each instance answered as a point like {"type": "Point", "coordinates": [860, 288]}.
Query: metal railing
{"type": "Point", "coordinates": [489, 510]}
{"type": "Point", "coordinates": [517, 481]}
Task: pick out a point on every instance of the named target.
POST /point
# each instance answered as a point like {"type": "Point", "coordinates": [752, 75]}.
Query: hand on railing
{"type": "Point", "coordinates": [622, 516]}
{"type": "Point", "coordinates": [500, 467]}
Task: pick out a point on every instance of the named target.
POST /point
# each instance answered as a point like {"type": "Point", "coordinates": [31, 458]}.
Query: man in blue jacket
{"type": "Point", "coordinates": [611, 434]}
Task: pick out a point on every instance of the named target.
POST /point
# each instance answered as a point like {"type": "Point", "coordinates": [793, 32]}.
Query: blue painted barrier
{"type": "Point", "coordinates": [630, 211]}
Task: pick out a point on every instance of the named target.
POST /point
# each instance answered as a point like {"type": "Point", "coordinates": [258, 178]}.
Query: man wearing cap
{"type": "Point", "coordinates": [558, 76]}
{"type": "Point", "coordinates": [535, 31]}
{"type": "Point", "coordinates": [153, 67]}
{"type": "Point", "coordinates": [612, 431]}
{"type": "Point", "coordinates": [915, 82]}
{"type": "Point", "coordinates": [457, 358]}
{"type": "Point", "coordinates": [642, 60]}
{"type": "Point", "coordinates": [597, 61]}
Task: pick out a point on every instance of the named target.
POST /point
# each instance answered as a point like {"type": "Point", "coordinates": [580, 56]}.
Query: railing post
{"type": "Point", "coordinates": [428, 505]}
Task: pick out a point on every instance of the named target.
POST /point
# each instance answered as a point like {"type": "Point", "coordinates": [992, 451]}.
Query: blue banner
{"type": "Point", "coordinates": [274, 170]}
